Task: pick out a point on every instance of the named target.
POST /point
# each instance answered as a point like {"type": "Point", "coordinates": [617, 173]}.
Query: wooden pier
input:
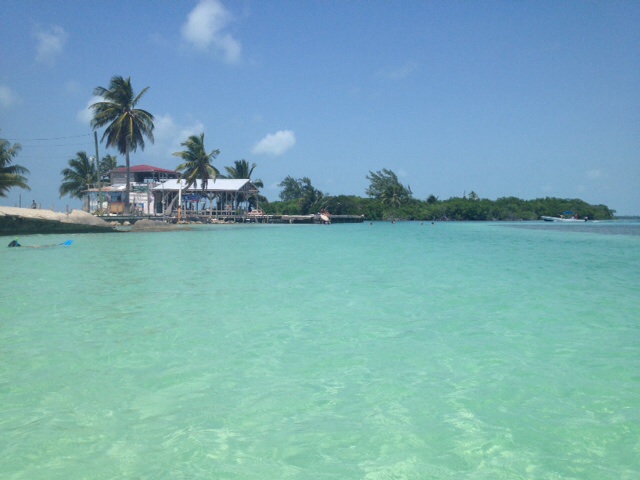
{"type": "Point", "coordinates": [231, 217]}
{"type": "Point", "coordinates": [316, 219]}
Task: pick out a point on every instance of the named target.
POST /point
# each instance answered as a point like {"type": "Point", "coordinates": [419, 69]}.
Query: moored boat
{"type": "Point", "coordinates": [567, 217]}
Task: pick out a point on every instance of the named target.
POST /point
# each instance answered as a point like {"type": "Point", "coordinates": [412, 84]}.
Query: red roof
{"type": "Point", "coordinates": [143, 168]}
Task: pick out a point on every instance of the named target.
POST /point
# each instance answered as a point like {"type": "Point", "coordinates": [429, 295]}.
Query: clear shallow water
{"type": "Point", "coordinates": [460, 350]}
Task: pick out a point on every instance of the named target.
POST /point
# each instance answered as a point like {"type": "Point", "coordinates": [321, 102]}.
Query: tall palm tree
{"type": "Point", "coordinates": [11, 175]}
{"type": "Point", "coordinates": [197, 162]}
{"type": "Point", "coordinates": [126, 125]}
{"type": "Point", "coordinates": [241, 169]}
{"type": "Point", "coordinates": [78, 176]}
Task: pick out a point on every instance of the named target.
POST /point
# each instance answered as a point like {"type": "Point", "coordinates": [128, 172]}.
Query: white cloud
{"type": "Point", "coordinates": [86, 114]}
{"type": "Point", "coordinates": [204, 29]}
{"type": "Point", "coordinates": [7, 97]}
{"type": "Point", "coordinates": [169, 135]}
{"type": "Point", "coordinates": [51, 42]}
{"type": "Point", "coordinates": [275, 143]}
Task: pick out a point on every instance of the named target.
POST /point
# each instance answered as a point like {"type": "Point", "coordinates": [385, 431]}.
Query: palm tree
{"type": "Point", "coordinates": [11, 175]}
{"type": "Point", "coordinates": [108, 163]}
{"type": "Point", "coordinates": [241, 170]}
{"type": "Point", "coordinates": [197, 162]}
{"type": "Point", "coordinates": [126, 125]}
{"type": "Point", "coordinates": [78, 176]}
{"type": "Point", "coordinates": [393, 196]}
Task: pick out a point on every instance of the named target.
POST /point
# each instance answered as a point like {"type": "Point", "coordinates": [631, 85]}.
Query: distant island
{"type": "Point", "coordinates": [388, 199]}
{"type": "Point", "coordinates": [455, 208]}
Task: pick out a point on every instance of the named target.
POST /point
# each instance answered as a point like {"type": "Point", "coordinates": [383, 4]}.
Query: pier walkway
{"type": "Point", "coordinates": [231, 217]}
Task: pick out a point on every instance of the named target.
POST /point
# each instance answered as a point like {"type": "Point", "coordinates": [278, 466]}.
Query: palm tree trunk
{"type": "Point", "coordinates": [127, 202]}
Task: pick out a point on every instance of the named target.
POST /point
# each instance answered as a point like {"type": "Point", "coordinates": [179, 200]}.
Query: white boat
{"type": "Point", "coordinates": [567, 217]}
{"type": "Point", "coordinates": [567, 220]}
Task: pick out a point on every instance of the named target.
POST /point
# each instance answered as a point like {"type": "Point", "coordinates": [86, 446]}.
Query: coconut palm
{"type": "Point", "coordinates": [241, 169]}
{"type": "Point", "coordinates": [393, 196]}
{"type": "Point", "coordinates": [11, 175]}
{"type": "Point", "coordinates": [197, 162]}
{"type": "Point", "coordinates": [108, 163]}
{"type": "Point", "coordinates": [78, 176]}
{"type": "Point", "coordinates": [126, 125]}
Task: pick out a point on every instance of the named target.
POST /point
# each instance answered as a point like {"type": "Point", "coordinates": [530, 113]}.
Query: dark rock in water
{"type": "Point", "coordinates": [153, 226]}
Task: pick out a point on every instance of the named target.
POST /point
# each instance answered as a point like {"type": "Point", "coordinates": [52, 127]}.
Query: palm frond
{"type": "Point", "coordinates": [197, 162]}
{"type": "Point", "coordinates": [11, 175]}
{"type": "Point", "coordinates": [79, 175]}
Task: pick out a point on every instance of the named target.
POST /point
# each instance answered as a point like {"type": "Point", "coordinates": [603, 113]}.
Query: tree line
{"type": "Point", "coordinates": [388, 199]}
{"type": "Point", "coordinates": [126, 127]}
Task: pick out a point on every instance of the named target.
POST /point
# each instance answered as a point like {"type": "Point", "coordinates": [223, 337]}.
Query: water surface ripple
{"type": "Point", "coordinates": [368, 351]}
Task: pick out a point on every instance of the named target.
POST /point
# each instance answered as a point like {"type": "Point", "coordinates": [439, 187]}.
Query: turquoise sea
{"type": "Point", "coordinates": [360, 351]}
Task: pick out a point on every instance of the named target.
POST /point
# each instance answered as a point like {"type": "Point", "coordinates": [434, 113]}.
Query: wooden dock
{"type": "Point", "coordinates": [228, 217]}
{"type": "Point", "coordinates": [316, 219]}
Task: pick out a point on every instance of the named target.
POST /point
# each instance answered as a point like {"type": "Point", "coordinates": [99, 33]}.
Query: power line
{"type": "Point", "coordinates": [59, 145]}
{"type": "Point", "coordinates": [47, 157]}
{"type": "Point", "coordinates": [46, 139]}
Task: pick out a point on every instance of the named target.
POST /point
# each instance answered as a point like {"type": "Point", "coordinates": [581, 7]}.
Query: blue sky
{"type": "Point", "coordinates": [525, 99]}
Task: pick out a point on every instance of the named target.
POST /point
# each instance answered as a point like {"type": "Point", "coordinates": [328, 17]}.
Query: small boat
{"type": "Point", "coordinates": [567, 217]}
{"type": "Point", "coordinates": [323, 218]}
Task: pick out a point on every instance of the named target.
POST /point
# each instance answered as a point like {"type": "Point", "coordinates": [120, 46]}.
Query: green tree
{"type": "Point", "coordinates": [385, 184]}
{"type": "Point", "coordinates": [455, 208]}
{"type": "Point", "coordinates": [386, 188]}
{"type": "Point", "coordinates": [291, 188]}
{"type": "Point", "coordinates": [300, 190]}
{"type": "Point", "coordinates": [241, 169]}
{"type": "Point", "coordinates": [78, 176]}
{"type": "Point", "coordinates": [312, 200]}
{"type": "Point", "coordinates": [11, 175]}
{"type": "Point", "coordinates": [127, 126]}
{"type": "Point", "coordinates": [108, 163]}
{"type": "Point", "coordinates": [392, 196]}
{"type": "Point", "coordinates": [197, 162]}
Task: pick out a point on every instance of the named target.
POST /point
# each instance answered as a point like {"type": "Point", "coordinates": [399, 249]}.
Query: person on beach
{"type": "Point", "coordinates": [33, 204]}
